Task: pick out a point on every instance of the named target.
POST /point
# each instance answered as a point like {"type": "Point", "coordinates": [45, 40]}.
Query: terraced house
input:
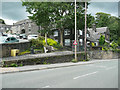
{"type": "Point", "coordinates": [4, 28]}
{"type": "Point", "coordinates": [25, 27]}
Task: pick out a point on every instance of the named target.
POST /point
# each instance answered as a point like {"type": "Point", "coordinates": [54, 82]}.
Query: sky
{"type": "Point", "coordinates": [12, 12]}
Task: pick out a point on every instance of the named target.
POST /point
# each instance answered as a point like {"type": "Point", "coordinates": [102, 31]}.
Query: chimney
{"type": "Point", "coordinates": [94, 27]}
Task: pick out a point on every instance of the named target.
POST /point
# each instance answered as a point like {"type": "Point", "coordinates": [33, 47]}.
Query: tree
{"type": "Point", "coordinates": [102, 19]}
{"type": "Point", "coordinates": [102, 40]}
{"type": "Point", "coordinates": [112, 22]}
{"type": "Point", "coordinates": [2, 21]}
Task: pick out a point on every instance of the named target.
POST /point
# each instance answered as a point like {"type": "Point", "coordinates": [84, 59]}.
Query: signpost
{"type": "Point", "coordinates": [75, 42]}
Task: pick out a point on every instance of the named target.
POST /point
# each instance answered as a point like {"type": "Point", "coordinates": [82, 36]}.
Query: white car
{"type": "Point", "coordinates": [32, 37]}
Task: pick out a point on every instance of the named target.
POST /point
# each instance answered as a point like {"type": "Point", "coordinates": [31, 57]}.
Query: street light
{"type": "Point", "coordinates": [75, 35]}
{"type": "Point", "coordinates": [85, 28]}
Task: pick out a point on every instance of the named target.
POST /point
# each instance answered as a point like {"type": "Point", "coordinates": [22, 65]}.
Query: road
{"type": "Point", "coordinates": [96, 75]}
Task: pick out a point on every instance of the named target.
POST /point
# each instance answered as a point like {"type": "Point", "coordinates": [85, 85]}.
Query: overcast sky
{"type": "Point", "coordinates": [14, 11]}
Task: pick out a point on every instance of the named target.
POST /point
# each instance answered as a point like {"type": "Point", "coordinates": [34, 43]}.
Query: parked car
{"type": "Point", "coordinates": [8, 40]}
{"type": "Point", "coordinates": [23, 36]}
{"type": "Point", "coordinates": [32, 37]}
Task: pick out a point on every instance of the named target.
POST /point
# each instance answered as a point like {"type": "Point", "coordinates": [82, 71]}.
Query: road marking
{"type": "Point", "coordinates": [46, 87]}
{"type": "Point", "coordinates": [85, 75]}
{"type": "Point", "coordinates": [110, 68]}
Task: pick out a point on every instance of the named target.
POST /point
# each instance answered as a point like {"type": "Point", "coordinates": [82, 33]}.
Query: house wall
{"type": "Point", "coordinates": [27, 25]}
{"type": "Point", "coordinates": [4, 28]}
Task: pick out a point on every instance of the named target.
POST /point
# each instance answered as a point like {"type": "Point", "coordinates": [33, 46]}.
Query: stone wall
{"type": "Point", "coordinates": [5, 49]}
{"type": "Point", "coordinates": [45, 60]}
{"type": "Point", "coordinates": [99, 54]}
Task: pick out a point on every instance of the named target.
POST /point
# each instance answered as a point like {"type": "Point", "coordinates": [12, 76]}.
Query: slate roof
{"type": "Point", "coordinates": [94, 36]}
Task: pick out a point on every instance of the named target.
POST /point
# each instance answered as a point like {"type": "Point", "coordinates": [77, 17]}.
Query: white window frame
{"type": "Point", "coordinates": [67, 42]}
{"type": "Point", "coordinates": [81, 41]}
{"type": "Point", "coordinates": [66, 32]}
{"type": "Point", "coordinates": [87, 35]}
{"type": "Point", "coordinates": [55, 33]}
{"type": "Point", "coordinates": [7, 28]}
{"type": "Point", "coordinates": [80, 32]}
{"type": "Point", "coordinates": [2, 28]}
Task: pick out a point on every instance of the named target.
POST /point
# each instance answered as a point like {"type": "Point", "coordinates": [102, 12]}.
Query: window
{"type": "Point", "coordinates": [55, 33]}
{"type": "Point", "coordinates": [2, 28]}
{"type": "Point", "coordinates": [80, 32]}
{"type": "Point", "coordinates": [7, 28]}
{"type": "Point", "coordinates": [29, 30]}
{"type": "Point", "coordinates": [29, 25]}
{"type": "Point", "coordinates": [81, 41]}
{"type": "Point", "coordinates": [87, 35]}
{"type": "Point", "coordinates": [88, 43]}
{"type": "Point", "coordinates": [66, 32]}
{"type": "Point", "coordinates": [67, 42]}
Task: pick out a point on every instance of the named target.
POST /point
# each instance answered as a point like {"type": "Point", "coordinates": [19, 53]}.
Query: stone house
{"type": "Point", "coordinates": [26, 26]}
{"type": "Point", "coordinates": [95, 34]}
{"type": "Point", "coordinates": [4, 28]}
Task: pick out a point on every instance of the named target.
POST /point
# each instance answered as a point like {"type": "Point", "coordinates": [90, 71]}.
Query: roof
{"type": "Point", "coordinates": [94, 36]}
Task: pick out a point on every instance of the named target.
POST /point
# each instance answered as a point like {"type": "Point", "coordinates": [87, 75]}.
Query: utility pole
{"type": "Point", "coordinates": [75, 34]}
{"type": "Point", "coordinates": [85, 29]}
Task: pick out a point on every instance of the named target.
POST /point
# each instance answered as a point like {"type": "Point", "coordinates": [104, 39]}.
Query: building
{"type": "Point", "coordinates": [93, 35]}
{"type": "Point", "coordinates": [25, 27]}
{"type": "Point", "coordinates": [4, 28]}
{"type": "Point", "coordinates": [69, 37]}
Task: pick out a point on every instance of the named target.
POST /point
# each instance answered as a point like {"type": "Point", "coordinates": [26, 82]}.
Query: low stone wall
{"type": "Point", "coordinates": [99, 54]}
{"type": "Point", "coordinates": [6, 48]}
{"type": "Point", "coordinates": [45, 60]}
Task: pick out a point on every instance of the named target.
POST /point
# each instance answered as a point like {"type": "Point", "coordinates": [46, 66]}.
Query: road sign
{"type": "Point", "coordinates": [75, 42]}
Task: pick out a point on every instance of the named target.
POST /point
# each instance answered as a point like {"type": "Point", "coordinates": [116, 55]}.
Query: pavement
{"type": "Point", "coordinates": [92, 74]}
{"type": "Point", "coordinates": [46, 66]}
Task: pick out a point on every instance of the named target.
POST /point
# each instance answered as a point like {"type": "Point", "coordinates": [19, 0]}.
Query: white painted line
{"type": "Point", "coordinates": [110, 68]}
{"type": "Point", "coordinates": [46, 87]}
{"type": "Point", "coordinates": [85, 75]}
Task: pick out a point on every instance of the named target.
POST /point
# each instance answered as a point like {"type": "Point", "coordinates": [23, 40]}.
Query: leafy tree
{"type": "Point", "coordinates": [59, 15]}
{"type": "Point", "coordinates": [119, 41]}
{"type": "Point", "coordinates": [2, 21]}
{"type": "Point", "coordinates": [102, 19]}
{"type": "Point", "coordinates": [102, 40]}
{"type": "Point", "coordinates": [112, 22]}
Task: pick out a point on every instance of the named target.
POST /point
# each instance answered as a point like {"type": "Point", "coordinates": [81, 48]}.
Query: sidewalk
{"type": "Point", "coordinates": [48, 66]}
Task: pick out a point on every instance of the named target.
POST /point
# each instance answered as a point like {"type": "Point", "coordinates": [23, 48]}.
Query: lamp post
{"type": "Point", "coordinates": [75, 34]}
{"type": "Point", "coordinates": [85, 29]}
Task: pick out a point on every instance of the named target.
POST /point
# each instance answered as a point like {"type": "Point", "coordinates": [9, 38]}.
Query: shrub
{"type": "Point", "coordinates": [13, 65]}
{"type": "Point", "coordinates": [37, 43]}
{"type": "Point", "coordinates": [105, 48]}
{"type": "Point", "coordinates": [114, 45]}
{"type": "Point", "coordinates": [74, 61]}
{"type": "Point", "coordinates": [58, 46]}
{"type": "Point", "coordinates": [93, 44]}
{"type": "Point", "coordinates": [21, 65]}
{"type": "Point", "coordinates": [25, 52]}
{"type": "Point", "coordinates": [50, 42]}
{"type": "Point", "coordinates": [102, 40]}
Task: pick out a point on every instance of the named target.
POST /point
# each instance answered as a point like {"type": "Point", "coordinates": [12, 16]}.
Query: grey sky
{"type": "Point", "coordinates": [14, 11]}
